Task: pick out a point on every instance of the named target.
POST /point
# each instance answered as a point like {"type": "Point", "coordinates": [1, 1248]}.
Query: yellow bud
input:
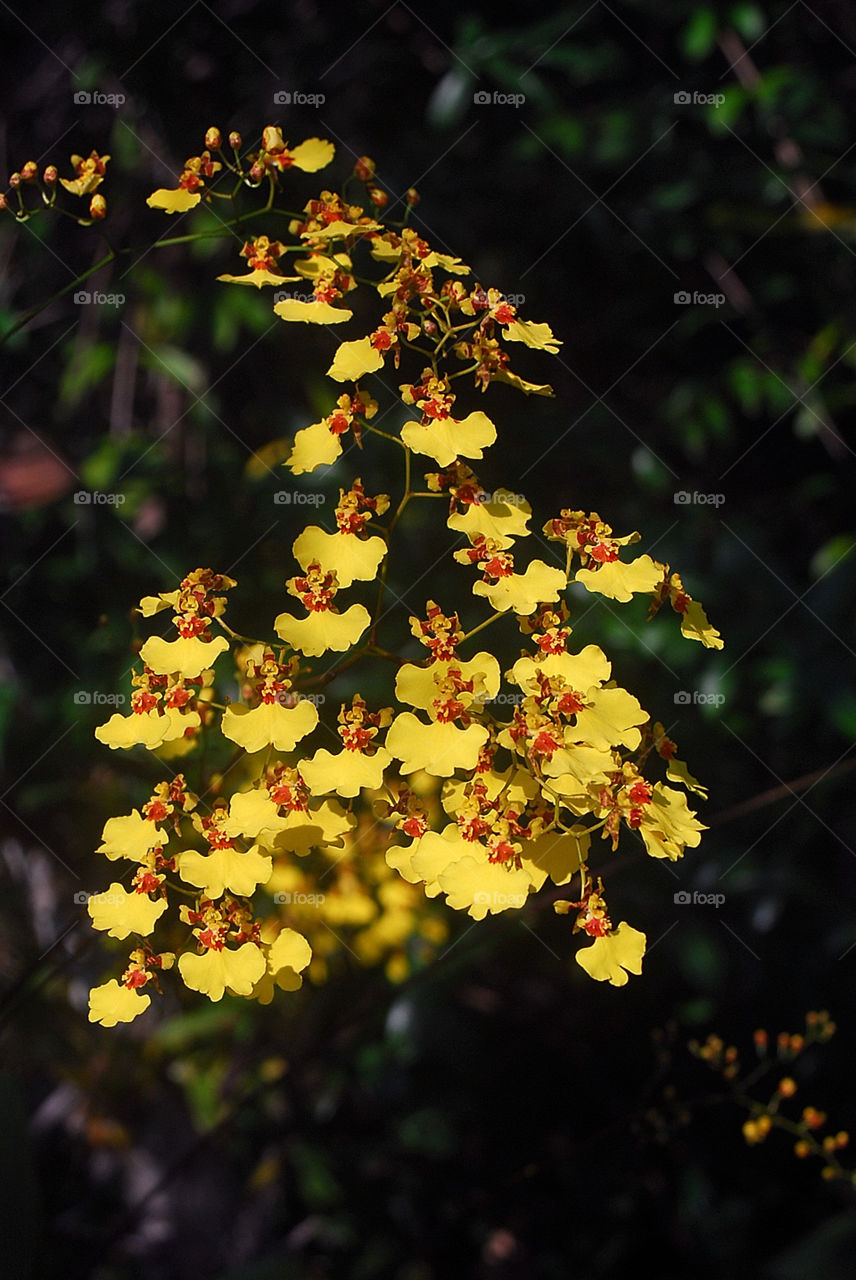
{"type": "Point", "coordinates": [213, 138]}
{"type": "Point", "coordinates": [787, 1087]}
{"type": "Point", "coordinates": [97, 207]}
{"type": "Point", "coordinates": [802, 1149]}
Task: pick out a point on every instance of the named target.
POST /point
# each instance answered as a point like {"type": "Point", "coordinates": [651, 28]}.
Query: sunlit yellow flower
{"type": "Point", "coordinates": [216, 969]}
{"type": "Point", "coordinates": [614, 956]}
{"type": "Point", "coordinates": [121, 913]}
{"type": "Point", "coordinates": [130, 836]}
{"type": "Point", "coordinates": [112, 1003]}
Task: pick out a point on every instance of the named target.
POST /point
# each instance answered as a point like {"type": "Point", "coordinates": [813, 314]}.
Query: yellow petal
{"type": "Point", "coordinates": [528, 388]}
{"type": "Point", "coordinates": [345, 773]}
{"type": "Point", "coordinates": [431, 855]}
{"type": "Point", "coordinates": [187, 657]}
{"type": "Point", "coordinates": [501, 520]}
{"type": "Point", "coordinates": [176, 201]}
{"type": "Point", "coordinates": [259, 277]}
{"type": "Point", "coordinates": [354, 359]}
{"type": "Point", "coordinates": [480, 887]}
{"type": "Point", "coordinates": [677, 771]}
{"type": "Point", "coordinates": [323, 631]}
{"type": "Point", "coordinates": [418, 685]}
{"type": "Point", "coordinates": [668, 824]}
{"type": "Point", "coordinates": [223, 869]}
{"type": "Point", "coordinates": [444, 439]}
{"type": "Point", "coordinates": [111, 1003]}
{"type": "Point", "coordinates": [316, 312]}
{"type": "Point", "coordinates": [609, 959]}
{"type": "Point", "coordinates": [523, 592]}
{"type": "Point", "coordinates": [153, 604]}
{"type": "Point", "coordinates": [557, 854]}
{"type": "Point", "coordinates": [333, 230]}
{"type": "Point", "coordinates": [578, 670]}
{"type": "Point", "coordinates": [323, 826]}
{"type": "Point", "coordinates": [289, 951]}
{"type": "Point", "coordinates": [149, 729]}
{"type": "Point", "coordinates": [131, 836]}
{"type": "Point", "coordinates": [619, 581]}
{"type": "Point", "coordinates": [609, 720]}
{"type": "Point", "coordinates": [315, 446]}
{"type": "Point", "coordinates": [355, 559]}
{"type": "Point", "coordinates": [214, 971]}
{"type": "Point", "coordinates": [437, 748]}
{"type": "Point", "coordinates": [121, 913]}
{"type": "Point", "coordinates": [269, 724]}
{"type": "Point", "coordinates": [539, 336]}
{"type": "Point", "coordinates": [251, 813]}
{"type": "Point", "coordinates": [695, 626]}
{"type": "Point", "coordinates": [312, 155]}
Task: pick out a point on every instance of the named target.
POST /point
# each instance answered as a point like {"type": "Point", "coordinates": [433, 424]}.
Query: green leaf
{"type": "Point", "coordinates": [84, 371]}
{"type": "Point", "coordinates": [699, 35]}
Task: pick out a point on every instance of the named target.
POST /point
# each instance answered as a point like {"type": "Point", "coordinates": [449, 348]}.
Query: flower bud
{"type": "Point", "coordinates": [4, 204]}
{"type": "Point", "coordinates": [50, 175]}
{"type": "Point", "coordinates": [412, 196]}
{"type": "Point", "coordinates": [257, 172]}
{"type": "Point", "coordinates": [30, 171]}
{"type": "Point", "coordinates": [364, 169]}
{"type": "Point", "coordinates": [14, 180]}
{"type": "Point", "coordinates": [213, 138]}
{"type": "Point", "coordinates": [235, 140]}
{"type": "Point", "coordinates": [97, 207]}
{"type": "Point", "coordinates": [378, 198]}
{"type": "Point", "coordinates": [787, 1087]}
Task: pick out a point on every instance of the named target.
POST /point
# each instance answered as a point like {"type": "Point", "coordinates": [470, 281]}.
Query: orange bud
{"type": "Point", "coordinates": [30, 171]}
{"type": "Point", "coordinates": [50, 175]}
{"type": "Point", "coordinates": [97, 207]}
{"type": "Point", "coordinates": [787, 1087]}
{"type": "Point", "coordinates": [235, 140]}
{"type": "Point", "coordinates": [802, 1149]}
{"type": "Point", "coordinates": [412, 196]}
{"type": "Point", "coordinates": [378, 197]}
{"type": "Point", "coordinates": [364, 169]}
{"type": "Point", "coordinates": [4, 203]}
{"type": "Point", "coordinates": [14, 179]}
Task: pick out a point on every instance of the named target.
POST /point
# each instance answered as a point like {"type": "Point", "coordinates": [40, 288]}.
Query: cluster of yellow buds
{"type": "Point", "coordinates": [768, 1115]}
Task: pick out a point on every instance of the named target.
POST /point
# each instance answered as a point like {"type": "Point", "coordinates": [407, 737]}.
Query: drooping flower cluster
{"type": "Point", "coordinates": [322, 831]}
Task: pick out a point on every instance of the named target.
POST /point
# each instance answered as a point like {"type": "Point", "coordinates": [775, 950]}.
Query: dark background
{"type": "Point", "coordinates": [498, 1114]}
